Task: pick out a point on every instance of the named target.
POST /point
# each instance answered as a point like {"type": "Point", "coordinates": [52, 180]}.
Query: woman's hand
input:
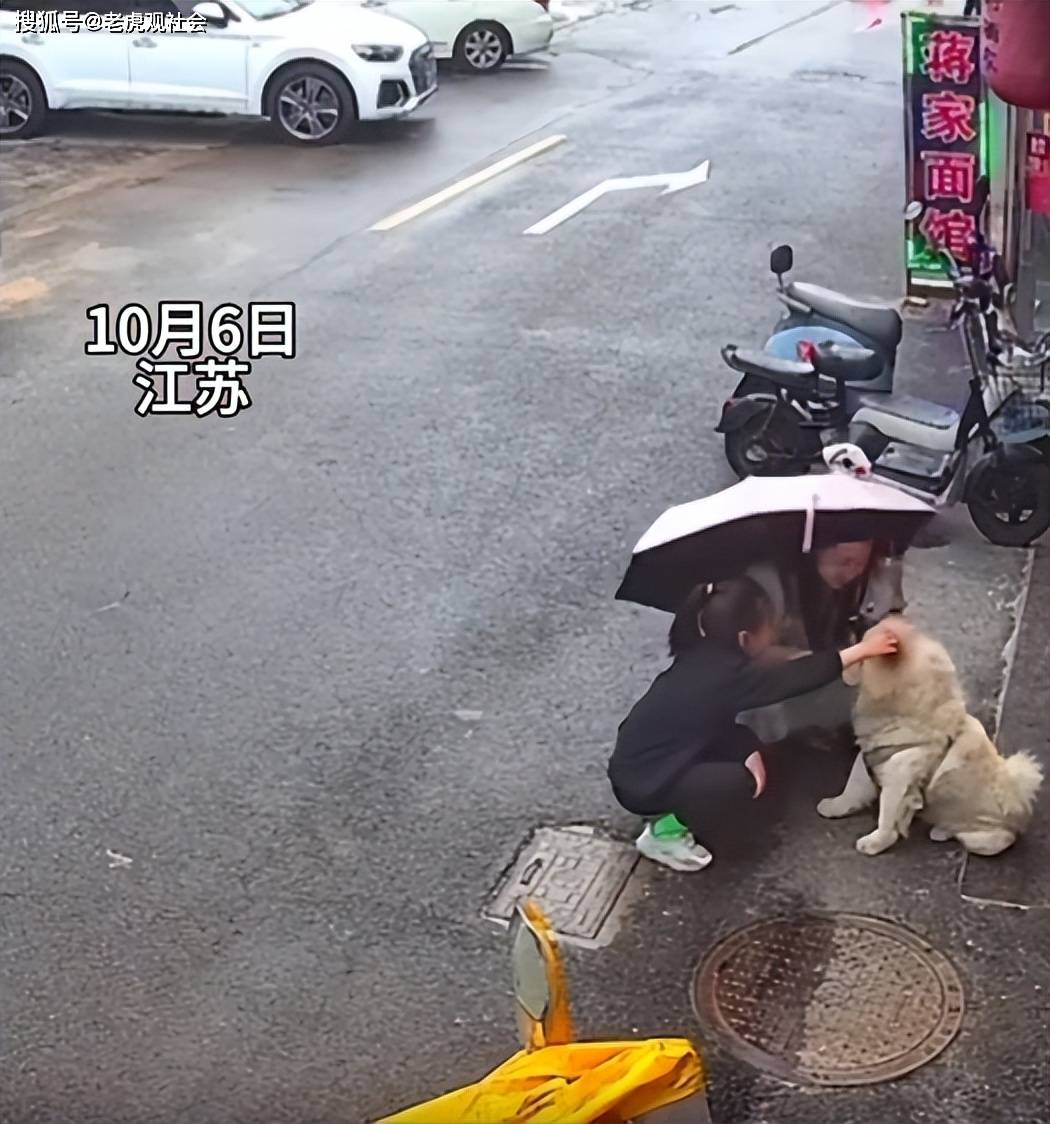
{"type": "Point", "coordinates": [878, 642]}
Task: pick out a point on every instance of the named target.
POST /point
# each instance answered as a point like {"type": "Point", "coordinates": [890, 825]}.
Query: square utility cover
{"type": "Point", "coordinates": [573, 875]}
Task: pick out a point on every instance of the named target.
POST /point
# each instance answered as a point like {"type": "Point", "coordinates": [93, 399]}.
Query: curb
{"type": "Point", "coordinates": [1009, 654]}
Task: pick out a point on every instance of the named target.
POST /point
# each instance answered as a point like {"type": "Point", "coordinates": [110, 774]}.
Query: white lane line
{"type": "Point", "coordinates": [469, 182]}
{"type": "Point", "coordinates": [573, 207]}
{"type": "Point", "coordinates": [784, 26]}
{"type": "Point", "coordinates": [671, 182]}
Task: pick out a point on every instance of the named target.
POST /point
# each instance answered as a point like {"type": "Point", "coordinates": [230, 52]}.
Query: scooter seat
{"type": "Point", "coordinates": [850, 364]}
{"type": "Point", "coordinates": [785, 372]}
{"type": "Point", "coordinates": [877, 320]}
{"type": "Point", "coordinates": [907, 408]}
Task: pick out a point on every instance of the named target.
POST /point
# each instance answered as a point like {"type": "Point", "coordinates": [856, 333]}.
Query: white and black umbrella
{"type": "Point", "coordinates": [763, 518]}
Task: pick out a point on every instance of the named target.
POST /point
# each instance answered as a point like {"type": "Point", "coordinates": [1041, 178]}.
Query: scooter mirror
{"type": "Point", "coordinates": [781, 260]}
{"type": "Point", "coordinates": [913, 210]}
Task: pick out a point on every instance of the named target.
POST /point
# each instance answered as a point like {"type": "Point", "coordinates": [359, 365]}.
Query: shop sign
{"type": "Point", "coordinates": [946, 147]}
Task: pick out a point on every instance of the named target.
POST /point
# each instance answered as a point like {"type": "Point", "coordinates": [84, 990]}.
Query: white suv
{"type": "Point", "coordinates": [313, 68]}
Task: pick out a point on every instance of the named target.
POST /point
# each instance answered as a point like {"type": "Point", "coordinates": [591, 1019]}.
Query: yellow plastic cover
{"type": "Point", "coordinates": [579, 1083]}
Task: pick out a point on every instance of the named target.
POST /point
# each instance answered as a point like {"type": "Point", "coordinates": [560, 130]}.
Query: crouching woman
{"type": "Point", "coordinates": [680, 749]}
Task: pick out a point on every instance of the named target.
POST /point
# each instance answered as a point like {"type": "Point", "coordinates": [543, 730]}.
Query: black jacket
{"type": "Point", "coordinates": [689, 715]}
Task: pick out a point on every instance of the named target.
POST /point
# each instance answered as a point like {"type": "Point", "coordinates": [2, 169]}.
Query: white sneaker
{"type": "Point", "coordinates": [682, 853]}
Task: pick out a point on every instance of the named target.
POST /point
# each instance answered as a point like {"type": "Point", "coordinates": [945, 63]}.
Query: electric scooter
{"type": "Point", "coordinates": [771, 435]}
{"type": "Point", "coordinates": [817, 315]}
{"type": "Point", "coordinates": [1003, 478]}
{"type": "Point", "coordinates": [767, 432]}
{"type": "Point", "coordinates": [928, 450]}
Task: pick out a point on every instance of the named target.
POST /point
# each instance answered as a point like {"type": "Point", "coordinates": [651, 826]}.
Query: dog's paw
{"type": "Point", "coordinates": [834, 808]}
{"type": "Point", "coordinates": [876, 842]}
{"type": "Point", "coordinates": [939, 835]}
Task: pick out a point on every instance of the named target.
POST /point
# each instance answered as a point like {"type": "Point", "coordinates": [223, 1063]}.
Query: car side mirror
{"type": "Point", "coordinates": [781, 260]}
{"type": "Point", "coordinates": [213, 12]}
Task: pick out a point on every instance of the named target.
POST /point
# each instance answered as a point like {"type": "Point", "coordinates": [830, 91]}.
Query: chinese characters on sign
{"type": "Point", "coordinates": [174, 348]}
{"type": "Point", "coordinates": [1038, 173]}
{"type": "Point", "coordinates": [944, 93]}
{"type": "Point", "coordinates": [990, 37]}
{"type": "Point", "coordinates": [949, 56]}
{"type": "Point", "coordinates": [28, 22]}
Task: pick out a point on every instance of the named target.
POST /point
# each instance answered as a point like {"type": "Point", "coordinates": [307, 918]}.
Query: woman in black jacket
{"type": "Point", "coordinates": [680, 749]}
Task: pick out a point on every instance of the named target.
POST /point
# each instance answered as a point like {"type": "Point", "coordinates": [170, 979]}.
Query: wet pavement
{"type": "Point", "coordinates": [287, 692]}
{"type": "Point", "coordinates": [87, 153]}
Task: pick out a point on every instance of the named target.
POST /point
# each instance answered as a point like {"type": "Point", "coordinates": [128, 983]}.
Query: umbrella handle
{"type": "Point", "coordinates": [811, 519]}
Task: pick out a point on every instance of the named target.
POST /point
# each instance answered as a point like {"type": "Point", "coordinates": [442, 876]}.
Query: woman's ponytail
{"type": "Point", "coordinates": [719, 612]}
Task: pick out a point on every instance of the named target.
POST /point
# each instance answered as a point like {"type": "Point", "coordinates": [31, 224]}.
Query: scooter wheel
{"type": "Point", "coordinates": [1010, 504]}
{"type": "Point", "coordinates": [767, 445]}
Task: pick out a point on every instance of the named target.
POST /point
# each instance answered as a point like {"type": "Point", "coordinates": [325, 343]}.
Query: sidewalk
{"type": "Point", "coordinates": [988, 917]}
{"type": "Point", "coordinates": [996, 1069]}
{"type": "Point", "coordinates": [1025, 881]}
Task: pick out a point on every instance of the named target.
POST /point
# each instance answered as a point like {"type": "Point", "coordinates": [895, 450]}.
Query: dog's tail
{"type": "Point", "coordinates": [1027, 776]}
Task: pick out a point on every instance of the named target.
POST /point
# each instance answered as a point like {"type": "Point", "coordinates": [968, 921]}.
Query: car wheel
{"type": "Point", "coordinates": [482, 47]}
{"type": "Point", "coordinates": [23, 103]}
{"type": "Point", "coordinates": [311, 104]}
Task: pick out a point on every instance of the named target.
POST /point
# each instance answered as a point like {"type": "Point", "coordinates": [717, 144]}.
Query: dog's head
{"type": "Point", "coordinates": [921, 667]}
{"type": "Point", "coordinates": [879, 675]}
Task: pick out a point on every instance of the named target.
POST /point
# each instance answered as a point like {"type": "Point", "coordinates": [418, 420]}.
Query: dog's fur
{"type": "Point", "coordinates": [928, 756]}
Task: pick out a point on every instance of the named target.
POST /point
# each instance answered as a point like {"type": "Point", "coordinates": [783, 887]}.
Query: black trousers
{"type": "Point", "coordinates": [715, 800]}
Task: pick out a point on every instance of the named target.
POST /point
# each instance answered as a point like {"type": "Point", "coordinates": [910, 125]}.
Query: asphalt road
{"type": "Point", "coordinates": [286, 692]}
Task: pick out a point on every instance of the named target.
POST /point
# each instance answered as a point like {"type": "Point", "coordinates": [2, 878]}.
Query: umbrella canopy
{"type": "Point", "coordinates": [763, 518]}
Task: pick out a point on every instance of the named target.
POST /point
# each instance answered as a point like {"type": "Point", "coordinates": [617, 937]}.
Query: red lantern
{"type": "Point", "coordinates": [1015, 51]}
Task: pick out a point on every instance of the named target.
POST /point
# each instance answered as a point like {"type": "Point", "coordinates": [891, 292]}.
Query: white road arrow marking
{"type": "Point", "coordinates": [669, 181]}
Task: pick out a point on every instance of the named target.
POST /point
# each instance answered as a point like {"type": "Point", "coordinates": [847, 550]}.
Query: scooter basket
{"type": "Point", "coordinates": [1022, 415]}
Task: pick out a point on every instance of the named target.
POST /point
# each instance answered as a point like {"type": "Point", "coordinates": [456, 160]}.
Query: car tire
{"type": "Point", "coordinates": [22, 95]}
{"type": "Point", "coordinates": [312, 104]}
{"type": "Point", "coordinates": [482, 47]}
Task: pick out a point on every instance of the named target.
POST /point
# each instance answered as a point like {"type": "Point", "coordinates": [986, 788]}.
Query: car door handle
{"type": "Point", "coordinates": [144, 41]}
{"type": "Point", "coordinates": [33, 38]}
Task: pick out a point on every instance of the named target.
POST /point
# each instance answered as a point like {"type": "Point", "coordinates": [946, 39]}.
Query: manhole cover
{"type": "Point", "coordinates": [829, 999]}
{"type": "Point", "coordinates": [575, 876]}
